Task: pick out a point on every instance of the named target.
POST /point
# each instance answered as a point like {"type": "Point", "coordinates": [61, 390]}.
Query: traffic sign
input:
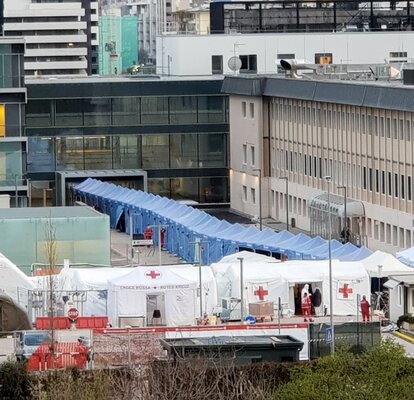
{"type": "Point", "coordinates": [73, 314]}
{"type": "Point", "coordinates": [328, 335]}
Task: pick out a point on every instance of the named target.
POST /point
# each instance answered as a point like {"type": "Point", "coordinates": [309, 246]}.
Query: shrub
{"type": "Point", "coordinates": [405, 318]}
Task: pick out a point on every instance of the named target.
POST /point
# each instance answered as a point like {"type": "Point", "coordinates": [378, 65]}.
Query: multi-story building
{"type": "Point", "coordinates": [13, 142]}
{"type": "Point", "coordinates": [61, 36]}
{"type": "Point", "coordinates": [260, 33]}
{"type": "Point", "coordinates": [119, 44]}
{"type": "Point", "coordinates": [288, 135]}
{"type": "Point", "coordinates": [176, 130]}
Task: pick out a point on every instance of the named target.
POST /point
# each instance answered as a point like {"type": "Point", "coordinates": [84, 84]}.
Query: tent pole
{"type": "Point", "coordinates": [159, 244]}
{"type": "Point", "coordinates": [241, 289]}
{"type": "Point", "coordinates": [200, 278]}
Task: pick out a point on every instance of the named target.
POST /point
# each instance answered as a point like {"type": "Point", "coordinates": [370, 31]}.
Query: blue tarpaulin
{"type": "Point", "coordinates": [185, 225]}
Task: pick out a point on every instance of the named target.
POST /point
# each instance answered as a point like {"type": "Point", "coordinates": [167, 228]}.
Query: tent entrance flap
{"type": "Point", "coordinates": [156, 309]}
{"type": "Point", "coordinates": [314, 290]}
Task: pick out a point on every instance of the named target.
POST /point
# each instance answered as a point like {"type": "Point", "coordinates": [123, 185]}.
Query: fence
{"type": "Point", "coordinates": [356, 336]}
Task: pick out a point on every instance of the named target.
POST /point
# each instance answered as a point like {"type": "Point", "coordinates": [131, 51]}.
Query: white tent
{"type": "Point", "coordinates": [348, 280]}
{"type": "Point", "coordinates": [14, 282]}
{"type": "Point", "coordinates": [209, 286]}
{"type": "Point", "coordinates": [390, 265]}
{"type": "Point", "coordinates": [278, 279]}
{"type": "Point", "coordinates": [152, 293]}
{"type": "Point", "coordinates": [406, 256]}
{"type": "Point", "coordinates": [92, 280]}
{"type": "Point", "coordinates": [227, 273]}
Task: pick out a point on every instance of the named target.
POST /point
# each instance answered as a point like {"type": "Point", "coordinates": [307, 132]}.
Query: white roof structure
{"type": "Point", "coordinates": [14, 282]}
{"type": "Point", "coordinates": [390, 265]}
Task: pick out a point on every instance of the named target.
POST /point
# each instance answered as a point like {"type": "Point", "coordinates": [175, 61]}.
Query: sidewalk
{"type": "Point", "coordinates": [143, 255]}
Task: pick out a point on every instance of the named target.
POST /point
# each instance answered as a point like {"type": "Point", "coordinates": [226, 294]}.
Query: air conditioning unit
{"type": "Point", "coordinates": [231, 307]}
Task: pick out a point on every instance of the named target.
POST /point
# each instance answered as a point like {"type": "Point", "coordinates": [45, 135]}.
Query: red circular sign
{"type": "Point", "coordinates": [73, 314]}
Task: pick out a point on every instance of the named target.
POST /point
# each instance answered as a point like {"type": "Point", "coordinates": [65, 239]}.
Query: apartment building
{"type": "Point", "coordinates": [61, 36]}
{"type": "Point", "coordinates": [13, 178]}
{"type": "Point", "coordinates": [288, 135]}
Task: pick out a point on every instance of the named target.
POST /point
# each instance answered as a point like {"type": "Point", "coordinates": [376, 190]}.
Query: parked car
{"type": "Point", "coordinates": [29, 342]}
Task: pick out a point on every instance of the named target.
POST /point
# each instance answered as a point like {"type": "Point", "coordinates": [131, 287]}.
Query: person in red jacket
{"type": "Point", "coordinates": [306, 307]}
{"type": "Point", "coordinates": [365, 306]}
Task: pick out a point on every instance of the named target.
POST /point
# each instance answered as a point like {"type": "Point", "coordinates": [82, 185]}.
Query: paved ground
{"type": "Point", "coordinates": [143, 255]}
{"type": "Point", "coordinates": [409, 347]}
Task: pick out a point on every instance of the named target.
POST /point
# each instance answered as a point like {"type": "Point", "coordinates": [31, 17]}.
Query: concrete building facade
{"type": "Point", "coordinates": [298, 132]}
{"type": "Point", "coordinates": [61, 36]}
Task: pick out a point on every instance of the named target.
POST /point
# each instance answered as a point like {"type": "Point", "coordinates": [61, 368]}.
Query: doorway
{"type": "Point", "coordinates": [156, 309]}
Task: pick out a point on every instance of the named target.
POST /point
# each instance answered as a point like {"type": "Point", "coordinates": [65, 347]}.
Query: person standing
{"type": "Point", "coordinates": [306, 307]}
{"type": "Point", "coordinates": [365, 306]}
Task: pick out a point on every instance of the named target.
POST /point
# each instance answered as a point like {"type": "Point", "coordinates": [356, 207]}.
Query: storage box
{"type": "Point", "coordinates": [261, 308]}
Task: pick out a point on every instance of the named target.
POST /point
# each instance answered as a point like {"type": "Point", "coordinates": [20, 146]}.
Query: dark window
{"type": "Point", "coordinates": [389, 184]}
{"type": "Point", "coordinates": [409, 188]}
{"type": "Point", "coordinates": [249, 63]}
{"type": "Point", "coordinates": [364, 178]}
{"type": "Point", "coordinates": [217, 65]}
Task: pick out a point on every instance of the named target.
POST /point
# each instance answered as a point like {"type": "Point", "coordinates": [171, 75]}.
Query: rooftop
{"type": "Point", "coordinates": [48, 212]}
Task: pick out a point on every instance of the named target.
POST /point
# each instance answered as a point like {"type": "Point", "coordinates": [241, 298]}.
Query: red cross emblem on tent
{"type": "Point", "coordinates": [346, 291]}
{"type": "Point", "coordinates": [261, 293]}
{"type": "Point", "coordinates": [153, 275]}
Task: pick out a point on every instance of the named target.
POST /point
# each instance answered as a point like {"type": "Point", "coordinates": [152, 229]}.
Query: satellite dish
{"type": "Point", "coordinates": [234, 63]}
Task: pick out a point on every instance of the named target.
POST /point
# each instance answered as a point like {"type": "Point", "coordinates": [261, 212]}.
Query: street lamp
{"type": "Point", "coordinates": [328, 180]}
{"type": "Point", "coordinates": [241, 288]}
{"type": "Point", "coordinates": [287, 200]}
{"type": "Point", "coordinates": [346, 234]}
{"type": "Point", "coordinates": [259, 170]}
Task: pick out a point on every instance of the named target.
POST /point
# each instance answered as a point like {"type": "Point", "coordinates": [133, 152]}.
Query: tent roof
{"type": "Point", "coordinates": [406, 256]}
{"type": "Point", "coordinates": [390, 265]}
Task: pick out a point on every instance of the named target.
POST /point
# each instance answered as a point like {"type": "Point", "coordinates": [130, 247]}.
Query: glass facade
{"type": "Point", "coordinates": [180, 140]}
{"type": "Point", "coordinates": [104, 111]}
{"type": "Point", "coordinates": [150, 152]}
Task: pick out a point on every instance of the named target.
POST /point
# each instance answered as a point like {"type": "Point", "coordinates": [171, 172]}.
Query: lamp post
{"type": "Point", "coordinates": [241, 289]}
{"type": "Point", "coordinates": [328, 180]}
{"type": "Point", "coordinates": [259, 170]}
{"type": "Point", "coordinates": [287, 200]}
{"type": "Point", "coordinates": [379, 278]}
{"type": "Point", "coordinates": [345, 214]}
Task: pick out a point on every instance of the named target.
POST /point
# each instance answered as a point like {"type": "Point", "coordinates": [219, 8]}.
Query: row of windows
{"type": "Point", "coordinates": [388, 233]}
{"type": "Point", "coordinates": [297, 205]}
{"type": "Point", "coordinates": [126, 111]}
{"type": "Point", "coordinates": [374, 180]}
{"type": "Point", "coordinates": [178, 151]}
{"type": "Point", "coordinates": [364, 122]}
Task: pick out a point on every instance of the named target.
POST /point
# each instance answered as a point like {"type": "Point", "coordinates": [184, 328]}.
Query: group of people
{"type": "Point", "coordinates": [308, 300]}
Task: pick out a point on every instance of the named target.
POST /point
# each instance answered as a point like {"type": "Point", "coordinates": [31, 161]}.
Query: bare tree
{"type": "Point", "coordinates": [50, 250]}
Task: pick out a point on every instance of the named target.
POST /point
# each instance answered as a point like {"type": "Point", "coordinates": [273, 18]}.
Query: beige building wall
{"type": "Point", "coordinates": [368, 150]}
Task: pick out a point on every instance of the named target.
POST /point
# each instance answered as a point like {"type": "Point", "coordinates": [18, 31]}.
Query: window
{"type": "Point", "coordinates": [323, 58]}
{"type": "Point", "coordinates": [253, 194]}
{"type": "Point", "coordinates": [249, 63]}
{"type": "Point", "coordinates": [216, 65]}
{"type": "Point", "coordinates": [253, 155]}
{"type": "Point", "coordinates": [252, 110]}
{"type": "Point", "coordinates": [244, 109]}
{"type": "Point", "coordinates": [244, 193]}
{"type": "Point", "coordinates": [245, 154]}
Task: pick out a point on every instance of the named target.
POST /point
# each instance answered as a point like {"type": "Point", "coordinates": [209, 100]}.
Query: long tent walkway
{"type": "Point", "coordinates": [183, 226]}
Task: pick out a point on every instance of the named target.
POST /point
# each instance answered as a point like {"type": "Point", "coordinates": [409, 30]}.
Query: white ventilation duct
{"type": "Point", "coordinates": [292, 66]}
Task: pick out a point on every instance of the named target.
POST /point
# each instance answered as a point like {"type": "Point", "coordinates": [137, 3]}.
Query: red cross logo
{"type": "Point", "coordinates": [153, 274]}
{"type": "Point", "coordinates": [346, 291]}
{"type": "Point", "coordinates": [261, 293]}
